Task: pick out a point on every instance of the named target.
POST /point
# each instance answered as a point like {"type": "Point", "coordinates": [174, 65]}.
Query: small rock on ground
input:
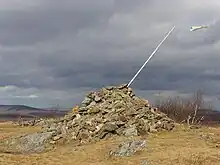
{"type": "Point", "coordinates": [128, 148]}
{"type": "Point", "coordinates": [32, 143]}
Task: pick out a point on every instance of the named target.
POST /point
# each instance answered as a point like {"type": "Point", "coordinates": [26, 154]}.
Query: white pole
{"type": "Point", "coordinates": [150, 56]}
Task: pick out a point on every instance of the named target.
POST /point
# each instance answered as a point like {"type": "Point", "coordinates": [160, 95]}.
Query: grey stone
{"type": "Point", "coordinates": [82, 109]}
{"type": "Point", "coordinates": [97, 98]}
{"type": "Point", "coordinates": [94, 110]}
{"type": "Point", "coordinates": [110, 127]}
{"type": "Point", "coordinates": [32, 143]}
{"type": "Point", "coordinates": [52, 142]}
{"type": "Point", "coordinates": [144, 162]}
{"type": "Point", "coordinates": [122, 86]}
{"type": "Point", "coordinates": [52, 127]}
{"type": "Point", "coordinates": [86, 101]}
{"type": "Point", "coordinates": [131, 131]}
{"type": "Point", "coordinates": [64, 129]}
{"type": "Point", "coordinates": [129, 148]}
{"type": "Point", "coordinates": [55, 138]}
{"type": "Point", "coordinates": [109, 87]}
{"type": "Point", "coordinates": [92, 103]}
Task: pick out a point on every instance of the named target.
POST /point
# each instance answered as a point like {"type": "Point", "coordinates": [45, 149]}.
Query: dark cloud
{"type": "Point", "coordinates": [63, 48]}
{"type": "Point", "coordinates": [46, 22]}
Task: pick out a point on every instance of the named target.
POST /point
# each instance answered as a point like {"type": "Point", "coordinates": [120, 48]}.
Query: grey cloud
{"type": "Point", "coordinates": [24, 28]}
{"type": "Point", "coordinates": [27, 27]}
{"type": "Point", "coordinates": [42, 98]}
{"type": "Point", "coordinates": [69, 45]}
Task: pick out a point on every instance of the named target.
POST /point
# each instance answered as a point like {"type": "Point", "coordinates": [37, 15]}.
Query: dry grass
{"type": "Point", "coordinates": [183, 146]}
{"type": "Point", "coordinates": [8, 129]}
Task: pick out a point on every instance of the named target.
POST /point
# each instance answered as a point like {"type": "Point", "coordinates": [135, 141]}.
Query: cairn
{"type": "Point", "coordinates": [111, 111]}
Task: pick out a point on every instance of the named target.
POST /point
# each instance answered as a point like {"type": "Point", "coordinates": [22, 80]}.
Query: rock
{"type": "Point", "coordinates": [32, 143]}
{"type": "Point", "coordinates": [97, 99]}
{"type": "Point", "coordinates": [144, 162]}
{"type": "Point", "coordinates": [169, 125]}
{"type": "Point", "coordinates": [93, 110]}
{"type": "Point", "coordinates": [110, 127]}
{"type": "Point", "coordinates": [52, 127]}
{"type": "Point", "coordinates": [92, 104]}
{"type": "Point", "coordinates": [86, 101]}
{"type": "Point", "coordinates": [122, 86]}
{"type": "Point", "coordinates": [131, 131]}
{"type": "Point", "coordinates": [55, 138]}
{"type": "Point", "coordinates": [99, 127]}
{"type": "Point", "coordinates": [83, 135]}
{"type": "Point", "coordinates": [110, 111]}
{"type": "Point", "coordinates": [82, 109]}
{"type": "Point", "coordinates": [52, 142]}
{"type": "Point", "coordinates": [128, 148]}
{"type": "Point", "coordinates": [152, 130]}
{"type": "Point", "coordinates": [109, 87]}
{"type": "Point", "coordinates": [73, 135]}
{"type": "Point", "coordinates": [64, 129]}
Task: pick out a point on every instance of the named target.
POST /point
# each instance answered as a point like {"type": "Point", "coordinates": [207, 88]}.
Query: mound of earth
{"type": "Point", "coordinates": [111, 111]}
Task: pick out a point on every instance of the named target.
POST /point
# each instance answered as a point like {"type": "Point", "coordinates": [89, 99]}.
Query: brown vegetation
{"type": "Point", "coordinates": [185, 110]}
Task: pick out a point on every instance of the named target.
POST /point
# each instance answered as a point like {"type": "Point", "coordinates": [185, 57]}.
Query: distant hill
{"type": "Point", "coordinates": [13, 112]}
{"type": "Point", "coordinates": [210, 116]}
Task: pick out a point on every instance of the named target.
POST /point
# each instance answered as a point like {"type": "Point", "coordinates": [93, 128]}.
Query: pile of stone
{"type": "Point", "coordinates": [111, 111]}
{"type": "Point", "coordinates": [25, 123]}
{"type": "Point", "coordinates": [33, 122]}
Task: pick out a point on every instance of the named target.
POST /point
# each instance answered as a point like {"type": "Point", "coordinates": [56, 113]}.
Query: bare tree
{"type": "Point", "coordinates": [198, 102]}
{"type": "Point", "coordinates": [183, 110]}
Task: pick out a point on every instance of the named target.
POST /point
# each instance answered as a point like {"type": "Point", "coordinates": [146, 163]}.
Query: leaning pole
{"type": "Point", "coordinates": [152, 54]}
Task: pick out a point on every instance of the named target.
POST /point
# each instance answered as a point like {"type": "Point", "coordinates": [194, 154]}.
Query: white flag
{"type": "Point", "coordinates": [194, 28]}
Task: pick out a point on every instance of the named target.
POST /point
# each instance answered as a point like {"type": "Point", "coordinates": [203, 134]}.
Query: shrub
{"type": "Point", "coordinates": [183, 109]}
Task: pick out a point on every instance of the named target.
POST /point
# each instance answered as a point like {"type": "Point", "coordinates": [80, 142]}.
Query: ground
{"type": "Point", "coordinates": [182, 146]}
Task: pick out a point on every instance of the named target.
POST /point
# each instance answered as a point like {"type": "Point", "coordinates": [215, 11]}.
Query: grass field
{"type": "Point", "coordinates": [183, 146]}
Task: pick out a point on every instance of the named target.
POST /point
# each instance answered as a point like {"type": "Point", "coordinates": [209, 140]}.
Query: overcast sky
{"type": "Point", "coordinates": [54, 52]}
